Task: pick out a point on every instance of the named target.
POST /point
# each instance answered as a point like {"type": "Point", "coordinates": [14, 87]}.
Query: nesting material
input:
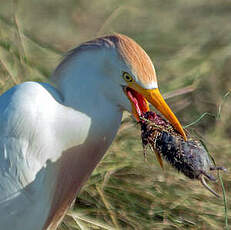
{"type": "Point", "coordinates": [189, 157]}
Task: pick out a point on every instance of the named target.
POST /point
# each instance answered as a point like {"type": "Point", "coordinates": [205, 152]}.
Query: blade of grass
{"type": "Point", "coordinates": [221, 105]}
{"type": "Point", "coordinates": [107, 205]}
{"type": "Point", "coordinates": [225, 201]}
{"type": "Point", "coordinates": [199, 119]}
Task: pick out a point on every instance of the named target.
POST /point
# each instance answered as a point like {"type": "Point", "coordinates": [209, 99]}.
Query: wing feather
{"type": "Point", "coordinates": [25, 111]}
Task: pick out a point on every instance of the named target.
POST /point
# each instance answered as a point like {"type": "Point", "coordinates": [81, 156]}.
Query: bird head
{"type": "Point", "coordinates": [137, 77]}
{"type": "Point", "coordinates": [117, 67]}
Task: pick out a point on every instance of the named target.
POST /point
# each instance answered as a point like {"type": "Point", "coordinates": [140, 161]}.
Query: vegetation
{"type": "Point", "coordinates": [189, 43]}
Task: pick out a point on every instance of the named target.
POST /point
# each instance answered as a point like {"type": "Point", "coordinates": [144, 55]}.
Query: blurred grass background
{"type": "Point", "coordinates": [190, 45]}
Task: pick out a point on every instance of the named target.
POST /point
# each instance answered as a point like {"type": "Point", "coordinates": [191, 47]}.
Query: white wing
{"type": "Point", "coordinates": [27, 112]}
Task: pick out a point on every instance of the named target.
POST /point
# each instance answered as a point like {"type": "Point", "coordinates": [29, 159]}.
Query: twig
{"type": "Point", "coordinates": [89, 220]}
{"type": "Point", "coordinates": [113, 15]}
{"type": "Point", "coordinates": [19, 33]}
{"type": "Point", "coordinates": [4, 65]}
{"type": "Point", "coordinates": [38, 43]}
{"type": "Point", "coordinates": [107, 205]}
{"type": "Point", "coordinates": [179, 92]}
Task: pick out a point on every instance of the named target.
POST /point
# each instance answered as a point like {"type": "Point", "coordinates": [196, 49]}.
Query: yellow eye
{"type": "Point", "coordinates": [127, 77]}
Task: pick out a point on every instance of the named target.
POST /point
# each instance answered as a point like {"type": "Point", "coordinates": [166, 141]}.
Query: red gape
{"type": "Point", "coordinates": [138, 100]}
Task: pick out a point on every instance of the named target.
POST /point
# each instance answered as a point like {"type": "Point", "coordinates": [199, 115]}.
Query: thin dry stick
{"type": "Point", "coordinates": [78, 223]}
{"type": "Point", "coordinates": [32, 39]}
{"type": "Point", "coordinates": [107, 205]}
{"type": "Point", "coordinates": [28, 63]}
{"type": "Point", "coordinates": [179, 92]}
{"type": "Point", "coordinates": [4, 65]}
{"type": "Point", "coordinates": [113, 16]}
{"type": "Point", "coordinates": [107, 22]}
{"type": "Point", "coordinates": [20, 36]}
{"type": "Point", "coordinates": [19, 33]}
{"type": "Point", "coordinates": [89, 220]}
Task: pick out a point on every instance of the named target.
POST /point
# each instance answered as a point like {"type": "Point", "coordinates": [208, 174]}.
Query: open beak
{"type": "Point", "coordinates": [139, 98]}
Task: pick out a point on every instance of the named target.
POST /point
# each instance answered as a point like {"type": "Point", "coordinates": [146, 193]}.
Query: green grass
{"type": "Point", "coordinates": [189, 43]}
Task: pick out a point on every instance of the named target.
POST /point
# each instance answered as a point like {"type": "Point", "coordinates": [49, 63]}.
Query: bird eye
{"type": "Point", "coordinates": [127, 77]}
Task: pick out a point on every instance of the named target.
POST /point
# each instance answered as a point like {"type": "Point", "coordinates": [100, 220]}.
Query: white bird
{"type": "Point", "coordinates": [53, 136]}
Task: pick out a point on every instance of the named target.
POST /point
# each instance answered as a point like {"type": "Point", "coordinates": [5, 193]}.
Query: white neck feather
{"type": "Point", "coordinates": [82, 82]}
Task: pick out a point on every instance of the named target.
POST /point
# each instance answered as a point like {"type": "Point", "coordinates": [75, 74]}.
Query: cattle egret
{"type": "Point", "coordinates": [53, 136]}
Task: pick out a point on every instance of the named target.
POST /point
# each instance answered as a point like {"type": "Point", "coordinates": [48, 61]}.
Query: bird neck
{"type": "Point", "coordinates": [82, 82]}
{"type": "Point", "coordinates": [94, 117]}
{"type": "Point", "coordinates": [82, 90]}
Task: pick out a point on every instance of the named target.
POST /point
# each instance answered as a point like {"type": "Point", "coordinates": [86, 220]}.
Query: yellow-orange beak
{"type": "Point", "coordinates": [155, 98]}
